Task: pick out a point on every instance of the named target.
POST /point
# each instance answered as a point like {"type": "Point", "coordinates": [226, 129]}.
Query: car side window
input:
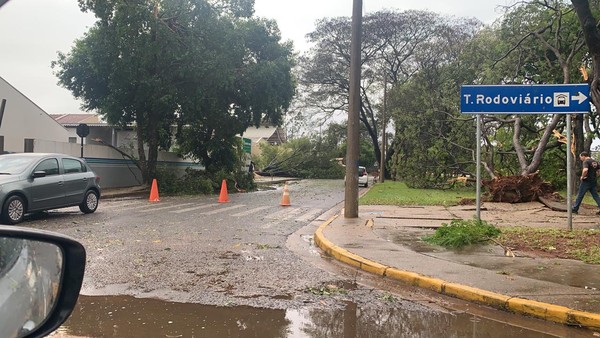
{"type": "Point", "coordinates": [50, 166]}
{"type": "Point", "coordinates": [72, 166]}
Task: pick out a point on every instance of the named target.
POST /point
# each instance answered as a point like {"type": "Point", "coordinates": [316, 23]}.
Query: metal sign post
{"type": "Point", "coordinates": [569, 175]}
{"type": "Point", "coordinates": [82, 131]}
{"type": "Point", "coordinates": [526, 99]}
{"type": "Point", "coordinates": [478, 159]}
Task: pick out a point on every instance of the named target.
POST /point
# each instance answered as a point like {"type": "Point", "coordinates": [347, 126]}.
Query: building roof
{"type": "Point", "coordinates": [76, 119]}
{"type": "Point", "coordinates": [274, 135]}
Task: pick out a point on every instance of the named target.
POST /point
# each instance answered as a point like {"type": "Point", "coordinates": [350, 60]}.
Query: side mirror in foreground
{"type": "Point", "coordinates": [40, 278]}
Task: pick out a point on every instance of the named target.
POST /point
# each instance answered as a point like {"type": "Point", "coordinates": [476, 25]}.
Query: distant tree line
{"type": "Point", "coordinates": [425, 58]}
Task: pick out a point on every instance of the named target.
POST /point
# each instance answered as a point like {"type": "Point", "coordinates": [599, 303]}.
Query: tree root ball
{"type": "Point", "coordinates": [517, 189]}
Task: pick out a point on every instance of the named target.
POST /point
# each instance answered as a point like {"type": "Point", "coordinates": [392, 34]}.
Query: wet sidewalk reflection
{"type": "Point", "coordinates": [124, 316]}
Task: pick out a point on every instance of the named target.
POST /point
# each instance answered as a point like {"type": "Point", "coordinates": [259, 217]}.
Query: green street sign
{"type": "Point", "coordinates": [246, 145]}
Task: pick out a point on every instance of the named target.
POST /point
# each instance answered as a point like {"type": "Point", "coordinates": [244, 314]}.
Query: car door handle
{"type": "Point", "coordinates": [60, 183]}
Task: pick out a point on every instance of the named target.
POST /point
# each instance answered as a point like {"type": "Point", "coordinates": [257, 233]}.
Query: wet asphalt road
{"type": "Point", "coordinates": [248, 252]}
{"type": "Point", "coordinates": [196, 250]}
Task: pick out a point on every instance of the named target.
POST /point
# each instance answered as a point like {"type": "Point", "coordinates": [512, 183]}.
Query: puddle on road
{"type": "Point", "coordinates": [125, 316]}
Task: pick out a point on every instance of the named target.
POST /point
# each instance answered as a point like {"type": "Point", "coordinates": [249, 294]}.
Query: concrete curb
{"type": "Point", "coordinates": [550, 312]}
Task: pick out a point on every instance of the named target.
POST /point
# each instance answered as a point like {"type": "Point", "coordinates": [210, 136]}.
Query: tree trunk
{"type": "Point", "coordinates": [539, 151]}
{"type": "Point", "coordinates": [147, 164]}
{"type": "Point", "coordinates": [142, 155]}
{"type": "Point", "coordinates": [591, 33]}
{"type": "Point", "coordinates": [153, 136]}
{"type": "Point", "coordinates": [366, 117]}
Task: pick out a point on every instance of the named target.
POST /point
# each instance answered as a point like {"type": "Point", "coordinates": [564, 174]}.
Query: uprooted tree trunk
{"type": "Point", "coordinates": [517, 189]}
{"type": "Point", "coordinates": [591, 34]}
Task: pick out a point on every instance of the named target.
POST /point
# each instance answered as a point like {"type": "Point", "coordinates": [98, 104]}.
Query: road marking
{"type": "Point", "coordinates": [269, 224]}
{"type": "Point", "coordinates": [222, 210]}
{"type": "Point", "coordinates": [112, 204]}
{"type": "Point", "coordinates": [150, 205]}
{"type": "Point", "coordinates": [203, 206]}
{"type": "Point", "coordinates": [286, 211]}
{"type": "Point", "coordinates": [251, 211]}
{"type": "Point", "coordinates": [150, 209]}
{"type": "Point", "coordinates": [287, 214]}
{"type": "Point", "coordinates": [310, 215]}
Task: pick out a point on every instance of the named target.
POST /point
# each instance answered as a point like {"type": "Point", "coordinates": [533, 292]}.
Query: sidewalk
{"type": "Point", "coordinates": [135, 191]}
{"type": "Point", "coordinates": [386, 240]}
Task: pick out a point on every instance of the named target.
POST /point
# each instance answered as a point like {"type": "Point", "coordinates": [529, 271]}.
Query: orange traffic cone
{"type": "Point", "coordinates": [154, 192]}
{"type": "Point", "coordinates": [223, 197]}
{"type": "Point", "coordinates": [285, 199]}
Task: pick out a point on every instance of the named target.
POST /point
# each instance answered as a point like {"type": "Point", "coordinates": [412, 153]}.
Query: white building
{"type": "Point", "coordinates": [24, 120]}
{"type": "Point", "coordinates": [264, 134]}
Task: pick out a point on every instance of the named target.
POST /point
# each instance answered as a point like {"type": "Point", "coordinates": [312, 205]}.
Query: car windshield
{"type": "Point", "coordinates": [13, 165]}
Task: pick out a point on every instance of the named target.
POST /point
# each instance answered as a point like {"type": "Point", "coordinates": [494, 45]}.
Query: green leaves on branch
{"type": "Point", "coordinates": [300, 158]}
{"type": "Point", "coordinates": [195, 71]}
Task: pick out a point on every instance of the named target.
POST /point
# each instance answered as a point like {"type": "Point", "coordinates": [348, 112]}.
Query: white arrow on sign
{"type": "Point", "coordinates": [579, 98]}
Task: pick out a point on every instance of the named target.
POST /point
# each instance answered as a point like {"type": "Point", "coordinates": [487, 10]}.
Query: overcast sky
{"type": "Point", "coordinates": [33, 31]}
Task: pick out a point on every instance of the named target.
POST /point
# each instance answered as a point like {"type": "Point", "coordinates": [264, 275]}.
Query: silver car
{"type": "Point", "coordinates": [363, 177]}
{"type": "Point", "coordinates": [31, 182]}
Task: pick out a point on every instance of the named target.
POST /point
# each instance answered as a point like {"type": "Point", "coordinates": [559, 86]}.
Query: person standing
{"type": "Point", "coordinates": [588, 181]}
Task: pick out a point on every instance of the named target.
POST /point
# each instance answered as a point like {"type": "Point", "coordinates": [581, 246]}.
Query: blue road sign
{"type": "Point", "coordinates": [525, 99]}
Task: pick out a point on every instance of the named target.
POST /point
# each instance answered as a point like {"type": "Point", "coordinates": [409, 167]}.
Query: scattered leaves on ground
{"type": "Point", "coordinates": [583, 245]}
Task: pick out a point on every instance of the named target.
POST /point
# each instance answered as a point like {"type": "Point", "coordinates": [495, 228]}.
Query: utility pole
{"type": "Point", "coordinates": [351, 192]}
{"type": "Point", "coordinates": [383, 140]}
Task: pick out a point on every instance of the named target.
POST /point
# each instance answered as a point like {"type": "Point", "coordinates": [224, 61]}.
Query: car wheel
{"type": "Point", "coordinates": [13, 210]}
{"type": "Point", "coordinates": [90, 202]}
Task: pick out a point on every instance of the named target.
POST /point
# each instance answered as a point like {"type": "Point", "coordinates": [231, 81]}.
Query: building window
{"type": "Point", "coordinates": [72, 139]}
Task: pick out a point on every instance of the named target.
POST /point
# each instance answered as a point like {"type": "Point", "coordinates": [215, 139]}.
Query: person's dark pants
{"type": "Point", "coordinates": [584, 187]}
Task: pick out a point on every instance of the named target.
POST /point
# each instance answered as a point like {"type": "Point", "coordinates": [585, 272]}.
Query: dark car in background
{"type": "Point", "coordinates": [31, 182]}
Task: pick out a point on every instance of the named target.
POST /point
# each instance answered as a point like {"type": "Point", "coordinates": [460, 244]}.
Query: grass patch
{"type": "Point", "coordinates": [583, 245]}
{"type": "Point", "coordinates": [588, 255]}
{"type": "Point", "coordinates": [587, 199]}
{"type": "Point", "coordinates": [460, 233]}
{"type": "Point", "coordinates": [397, 193]}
